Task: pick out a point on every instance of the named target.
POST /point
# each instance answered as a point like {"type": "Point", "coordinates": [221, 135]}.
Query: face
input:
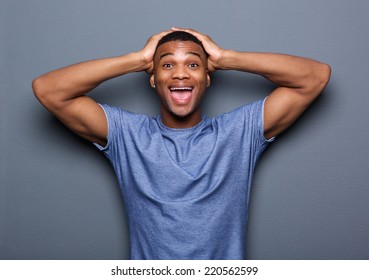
{"type": "Point", "coordinates": [180, 78]}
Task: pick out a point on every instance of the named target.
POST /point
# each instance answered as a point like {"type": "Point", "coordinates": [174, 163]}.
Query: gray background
{"type": "Point", "coordinates": [58, 195]}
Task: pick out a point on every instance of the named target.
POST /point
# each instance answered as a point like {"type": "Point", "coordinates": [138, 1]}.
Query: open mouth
{"type": "Point", "coordinates": [181, 94]}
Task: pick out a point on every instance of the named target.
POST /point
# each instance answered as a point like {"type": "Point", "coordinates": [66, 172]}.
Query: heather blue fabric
{"type": "Point", "coordinates": [186, 191]}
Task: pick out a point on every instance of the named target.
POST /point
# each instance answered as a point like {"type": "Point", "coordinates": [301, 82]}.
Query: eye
{"type": "Point", "coordinates": [167, 65]}
{"type": "Point", "coordinates": [193, 65]}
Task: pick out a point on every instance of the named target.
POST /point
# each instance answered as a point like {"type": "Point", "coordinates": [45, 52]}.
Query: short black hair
{"type": "Point", "coordinates": [180, 36]}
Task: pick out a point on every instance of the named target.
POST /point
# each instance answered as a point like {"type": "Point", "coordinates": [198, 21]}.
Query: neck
{"type": "Point", "coordinates": [174, 121]}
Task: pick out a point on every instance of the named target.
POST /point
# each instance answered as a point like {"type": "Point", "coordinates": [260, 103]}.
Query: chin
{"type": "Point", "coordinates": [181, 115]}
{"type": "Point", "coordinates": [182, 112]}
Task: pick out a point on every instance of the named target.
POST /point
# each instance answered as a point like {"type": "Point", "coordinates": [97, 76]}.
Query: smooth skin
{"type": "Point", "coordinates": [300, 80]}
{"type": "Point", "coordinates": [63, 91]}
{"type": "Point", "coordinates": [180, 65]}
{"type": "Point", "coordinates": [177, 65]}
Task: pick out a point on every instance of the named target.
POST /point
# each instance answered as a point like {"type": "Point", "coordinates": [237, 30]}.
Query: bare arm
{"type": "Point", "coordinates": [63, 91]}
{"type": "Point", "coordinates": [300, 80]}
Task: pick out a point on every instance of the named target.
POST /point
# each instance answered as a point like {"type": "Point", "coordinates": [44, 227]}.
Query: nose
{"type": "Point", "coordinates": [180, 72]}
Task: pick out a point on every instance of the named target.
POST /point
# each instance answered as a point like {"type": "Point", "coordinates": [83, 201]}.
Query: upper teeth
{"type": "Point", "coordinates": [180, 88]}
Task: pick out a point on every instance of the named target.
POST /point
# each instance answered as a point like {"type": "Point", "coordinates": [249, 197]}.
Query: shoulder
{"type": "Point", "coordinates": [247, 120]}
{"type": "Point", "coordinates": [124, 125]}
{"type": "Point", "coordinates": [118, 114]}
{"type": "Point", "coordinates": [123, 122]}
{"type": "Point", "coordinates": [247, 112]}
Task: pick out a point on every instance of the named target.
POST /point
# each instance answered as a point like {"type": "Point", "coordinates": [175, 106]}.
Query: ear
{"type": "Point", "coordinates": [152, 79]}
{"type": "Point", "coordinates": [208, 82]}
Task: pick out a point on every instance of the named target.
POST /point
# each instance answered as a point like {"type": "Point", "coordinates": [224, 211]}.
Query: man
{"type": "Point", "coordinates": [185, 178]}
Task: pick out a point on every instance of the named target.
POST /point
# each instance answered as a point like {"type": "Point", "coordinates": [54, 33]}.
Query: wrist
{"type": "Point", "coordinates": [140, 61]}
{"type": "Point", "coordinates": [228, 60]}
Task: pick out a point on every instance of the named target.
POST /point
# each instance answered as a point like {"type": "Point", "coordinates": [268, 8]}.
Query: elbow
{"type": "Point", "coordinates": [325, 74]}
{"type": "Point", "coordinates": [42, 91]}
{"type": "Point", "coordinates": [319, 80]}
{"type": "Point", "coordinates": [38, 88]}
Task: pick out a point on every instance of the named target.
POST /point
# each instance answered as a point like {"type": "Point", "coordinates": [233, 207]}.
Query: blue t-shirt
{"type": "Point", "coordinates": [186, 191]}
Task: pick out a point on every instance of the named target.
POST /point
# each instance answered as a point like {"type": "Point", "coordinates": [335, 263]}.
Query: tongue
{"type": "Point", "coordinates": [181, 94]}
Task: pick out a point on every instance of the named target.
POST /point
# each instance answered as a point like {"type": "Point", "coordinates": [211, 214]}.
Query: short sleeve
{"type": "Point", "coordinates": [262, 122]}
{"type": "Point", "coordinates": [253, 118]}
{"type": "Point", "coordinates": [254, 128]}
{"type": "Point", "coordinates": [112, 115]}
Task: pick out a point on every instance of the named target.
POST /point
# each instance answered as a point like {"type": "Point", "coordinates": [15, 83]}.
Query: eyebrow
{"type": "Point", "coordinates": [168, 54]}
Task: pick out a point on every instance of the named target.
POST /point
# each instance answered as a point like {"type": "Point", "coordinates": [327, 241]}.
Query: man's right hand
{"type": "Point", "coordinates": [148, 50]}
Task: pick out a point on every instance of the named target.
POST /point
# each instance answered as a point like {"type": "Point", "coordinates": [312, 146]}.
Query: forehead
{"type": "Point", "coordinates": [179, 48]}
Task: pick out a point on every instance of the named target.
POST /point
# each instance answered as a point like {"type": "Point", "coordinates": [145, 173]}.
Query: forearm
{"type": "Point", "coordinates": [284, 70]}
{"type": "Point", "coordinates": [78, 79]}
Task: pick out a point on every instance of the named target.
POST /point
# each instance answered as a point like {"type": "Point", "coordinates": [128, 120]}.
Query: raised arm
{"type": "Point", "coordinates": [63, 91]}
{"type": "Point", "coordinates": [300, 80]}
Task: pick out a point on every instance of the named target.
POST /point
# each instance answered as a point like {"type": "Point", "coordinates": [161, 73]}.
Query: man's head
{"type": "Point", "coordinates": [181, 36]}
{"type": "Point", "coordinates": [180, 77]}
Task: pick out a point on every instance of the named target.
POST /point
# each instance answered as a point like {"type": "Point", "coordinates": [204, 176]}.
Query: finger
{"type": "Point", "coordinates": [160, 35]}
{"type": "Point", "coordinates": [202, 37]}
{"type": "Point", "coordinates": [176, 28]}
{"type": "Point", "coordinates": [163, 33]}
{"type": "Point", "coordinates": [154, 39]}
{"type": "Point", "coordinates": [188, 30]}
{"type": "Point", "coordinates": [183, 29]}
{"type": "Point", "coordinates": [192, 31]}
